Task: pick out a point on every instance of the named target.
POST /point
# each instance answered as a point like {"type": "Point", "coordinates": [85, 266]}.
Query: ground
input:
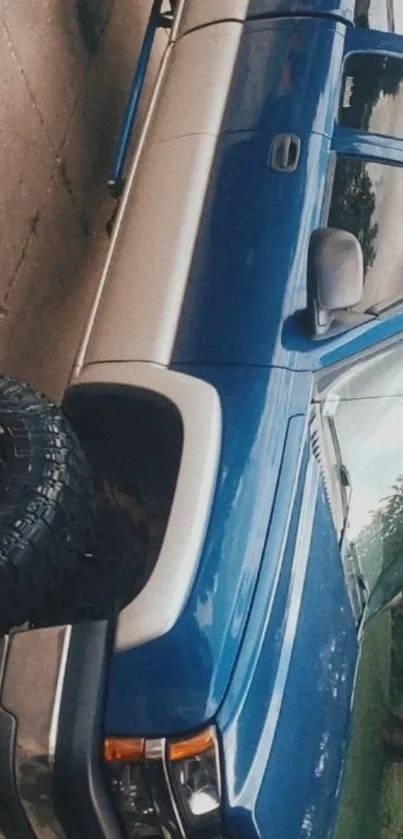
{"type": "Point", "coordinates": [361, 809]}
{"type": "Point", "coordinates": [66, 68]}
{"type": "Point", "coordinates": [371, 800]}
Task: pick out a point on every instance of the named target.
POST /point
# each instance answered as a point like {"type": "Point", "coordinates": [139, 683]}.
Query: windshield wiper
{"type": "Point", "coordinates": [344, 474]}
{"type": "Point", "coordinates": [352, 570]}
{"type": "Point", "coordinates": [348, 549]}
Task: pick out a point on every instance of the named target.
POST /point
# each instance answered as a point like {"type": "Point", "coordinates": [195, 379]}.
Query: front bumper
{"type": "Point", "coordinates": [51, 781]}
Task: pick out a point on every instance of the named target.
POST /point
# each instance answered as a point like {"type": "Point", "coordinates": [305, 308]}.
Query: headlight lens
{"type": "Point", "coordinates": [166, 790]}
{"type": "Point", "coordinates": [196, 785]}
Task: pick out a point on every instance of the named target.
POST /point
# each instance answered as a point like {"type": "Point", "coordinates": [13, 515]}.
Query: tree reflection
{"type": "Point", "coordinates": [362, 13]}
{"type": "Point", "coordinates": [353, 205]}
{"type": "Point", "coordinates": [369, 78]}
{"type": "Point", "coordinates": [374, 76]}
{"type": "Point", "coordinates": [380, 543]}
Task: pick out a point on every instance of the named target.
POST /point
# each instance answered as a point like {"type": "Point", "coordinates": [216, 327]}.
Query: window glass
{"type": "Point", "coordinates": [367, 200]}
{"type": "Point", "coordinates": [386, 15]}
{"type": "Point", "coordinates": [372, 94]}
{"type": "Point", "coordinates": [362, 412]}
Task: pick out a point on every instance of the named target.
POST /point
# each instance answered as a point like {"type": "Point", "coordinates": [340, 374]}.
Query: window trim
{"type": "Point", "coordinates": [343, 365]}
{"type": "Point", "coordinates": [372, 28]}
{"type": "Point", "coordinates": [370, 51]}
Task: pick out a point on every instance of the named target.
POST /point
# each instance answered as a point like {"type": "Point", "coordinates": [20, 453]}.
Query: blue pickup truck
{"type": "Point", "coordinates": [239, 394]}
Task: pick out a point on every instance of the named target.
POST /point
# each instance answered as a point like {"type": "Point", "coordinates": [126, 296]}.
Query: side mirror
{"type": "Point", "coordinates": [335, 278]}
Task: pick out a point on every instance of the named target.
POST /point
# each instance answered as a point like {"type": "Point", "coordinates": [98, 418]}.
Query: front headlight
{"type": "Point", "coordinates": [195, 775]}
{"type": "Point", "coordinates": [167, 789]}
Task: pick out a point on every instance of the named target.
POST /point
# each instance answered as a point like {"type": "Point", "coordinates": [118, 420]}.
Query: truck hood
{"type": "Point", "coordinates": [178, 681]}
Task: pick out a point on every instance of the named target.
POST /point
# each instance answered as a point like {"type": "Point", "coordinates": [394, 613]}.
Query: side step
{"type": "Point", "coordinates": [157, 20]}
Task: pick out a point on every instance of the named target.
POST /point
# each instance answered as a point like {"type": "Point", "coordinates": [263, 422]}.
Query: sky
{"type": "Point", "coordinates": [398, 10]}
{"type": "Point", "coordinates": [378, 14]}
{"type": "Point", "coordinates": [369, 421]}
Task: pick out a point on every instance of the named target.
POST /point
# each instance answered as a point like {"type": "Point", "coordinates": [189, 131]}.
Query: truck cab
{"type": "Point", "coordinates": [244, 372]}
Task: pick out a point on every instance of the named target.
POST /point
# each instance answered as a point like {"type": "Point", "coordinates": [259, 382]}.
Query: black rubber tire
{"type": "Point", "coordinates": [47, 503]}
{"type": "Point", "coordinates": [111, 574]}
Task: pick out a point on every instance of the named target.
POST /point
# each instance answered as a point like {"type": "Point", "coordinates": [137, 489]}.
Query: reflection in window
{"type": "Point", "coordinates": [372, 94]}
{"type": "Point", "coordinates": [367, 200]}
{"type": "Point", "coordinates": [364, 404]}
{"type": "Point", "coordinates": [386, 15]}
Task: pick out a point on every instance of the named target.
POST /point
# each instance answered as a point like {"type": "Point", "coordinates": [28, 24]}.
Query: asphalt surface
{"type": "Point", "coordinates": [66, 68]}
{"type": "Point", "coordinates": [65, 72]}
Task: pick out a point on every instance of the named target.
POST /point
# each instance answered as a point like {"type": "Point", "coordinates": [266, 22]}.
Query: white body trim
{"type": "Point", "coordinates": [205, 12]}
{"type": "Point", "coordinates": [141, 292]}
{"type": "Point", "coordinates": [155, 610]}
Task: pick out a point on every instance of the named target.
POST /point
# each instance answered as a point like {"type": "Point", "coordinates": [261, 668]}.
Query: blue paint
{"type": "Point", "coordinates": [276, 86]}
{"type": "Point", "coordinates": [285, 720]}
{"type": "Point", "coordinates": [150, 690]}
{"type": "Point", "coordinates": [371, 40]}
{"type": "Point", "coordinates": [343, 9]}
{"type": "Point", "coordinates": [249, 266]}
{"type": "Point", "coordinates": [244, 282]}
{"type": "Point", "coordinates": [382, 149]}
{"type": "Point", "coordinates": [358, 340]}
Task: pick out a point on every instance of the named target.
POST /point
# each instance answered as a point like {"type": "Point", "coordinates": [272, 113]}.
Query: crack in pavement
{"type": "Point", "coordinates": [60, 164]}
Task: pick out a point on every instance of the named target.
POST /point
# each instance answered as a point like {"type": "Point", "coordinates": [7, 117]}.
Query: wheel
{"type": "Point", "coordinates": [111, 572]}
{"type": "Point", "coordinates": [47, 503]}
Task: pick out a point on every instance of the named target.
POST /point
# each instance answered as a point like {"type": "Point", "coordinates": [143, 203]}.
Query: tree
{"type": "Point", "coordinates": [384, 534]}
{"type": "Point", "coordinates": [353, 205]}
{"type": "Point", "coordinates": [370, 76]}
{"type": "Point", "coordinates": [374, 76]}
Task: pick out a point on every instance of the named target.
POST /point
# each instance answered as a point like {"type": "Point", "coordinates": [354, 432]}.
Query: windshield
{"type": "Point", "coordinates": [362, 412]}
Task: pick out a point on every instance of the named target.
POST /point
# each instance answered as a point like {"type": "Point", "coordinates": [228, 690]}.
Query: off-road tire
{"type": "Point", "coordinates": [111, 574]}
{"type": "Point", "coordinates": [47, 503]}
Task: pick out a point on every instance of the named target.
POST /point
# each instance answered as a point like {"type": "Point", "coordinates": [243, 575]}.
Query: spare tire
{"type": "Point", "coordinates": [47, 503]}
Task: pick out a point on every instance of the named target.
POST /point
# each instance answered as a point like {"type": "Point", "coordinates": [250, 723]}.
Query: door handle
{"type": "Point", "coordinates": [285, 152]}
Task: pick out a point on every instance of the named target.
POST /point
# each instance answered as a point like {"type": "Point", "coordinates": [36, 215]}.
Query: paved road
{"type": "Point", "coordinates": [65, 69]}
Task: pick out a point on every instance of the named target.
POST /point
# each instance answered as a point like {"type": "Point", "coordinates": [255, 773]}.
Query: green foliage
{"type": "Point", "coordinates": [354, 199]}
{"type": "Point", "coordinates": [360, 804]}
{"type": "Point", "coordinates": [353, 205]}
{"type": "Point", "coordinates": [396, 682]}
{"type": "Point", "coordinates": [380, 545]}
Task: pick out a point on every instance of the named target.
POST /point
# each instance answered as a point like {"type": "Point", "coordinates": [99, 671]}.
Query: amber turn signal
{"type": "Point", "coordinates": [192, 746]}
{"type": "Point", "coordinates": [127, 749]}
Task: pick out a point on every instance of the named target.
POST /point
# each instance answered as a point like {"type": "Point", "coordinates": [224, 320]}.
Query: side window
{"type": "Point", "coordinates": [386, 15]}
{"type": "Point", "coordinates": [367, 200]}
{"type": "Point", "coordinates": [372, 94]}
